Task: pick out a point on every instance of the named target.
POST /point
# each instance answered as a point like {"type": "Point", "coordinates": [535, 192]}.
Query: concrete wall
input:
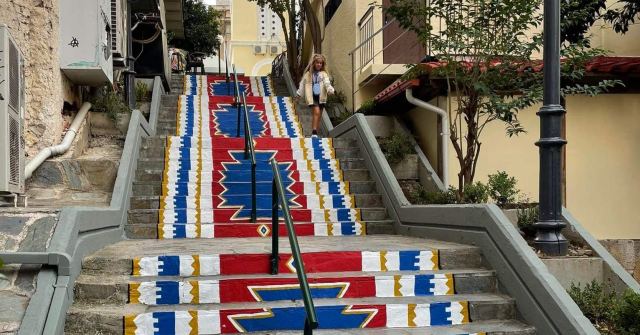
{"type": "Point", "coordinates": [34, 25]}
{"type": "Point", "coordinates": [244, 35]}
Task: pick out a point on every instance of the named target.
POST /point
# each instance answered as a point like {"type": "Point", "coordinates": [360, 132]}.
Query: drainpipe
{"type": "Point", "coordinates": [444, 132]}
{"type": "Point", "coordinates": [60, 148]}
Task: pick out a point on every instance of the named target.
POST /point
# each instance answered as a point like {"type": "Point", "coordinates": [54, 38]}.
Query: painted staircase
{"type": "Point", "coordinates": [195, 264]}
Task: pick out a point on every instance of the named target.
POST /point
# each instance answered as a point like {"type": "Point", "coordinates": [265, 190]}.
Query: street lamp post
{"type": "Point", "coordinates": [549, 238]}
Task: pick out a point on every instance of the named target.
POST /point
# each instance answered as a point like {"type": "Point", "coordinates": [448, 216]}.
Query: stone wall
{"type": "Point", "coordinates": [34, 24]}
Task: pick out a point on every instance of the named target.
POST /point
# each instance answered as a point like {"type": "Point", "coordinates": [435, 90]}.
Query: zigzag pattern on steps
{"type": "Point", "coordinates": [206, 192]}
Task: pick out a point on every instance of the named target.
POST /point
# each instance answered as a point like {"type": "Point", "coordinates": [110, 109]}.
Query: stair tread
{"type": "Point", "coordinates": [110, 279]}
{"type": "Point", "coordinates": [128, 309]}
{"type": "Point", "coordinates": [151, 247]}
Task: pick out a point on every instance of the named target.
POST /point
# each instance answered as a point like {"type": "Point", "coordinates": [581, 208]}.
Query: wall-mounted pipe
{"type": "Point", "coordinates": [444, 132]}
{"type": "Point", "coordinates": [60, 148]}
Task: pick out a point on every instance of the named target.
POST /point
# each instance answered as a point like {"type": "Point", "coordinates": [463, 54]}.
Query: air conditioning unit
{"type": "Point", "coordinates": [274, 49]}
{"type": "Point", "coordinates": [85, 41]}
{"type": "Point", "coordinates": [259, 49]}
{"type": "Point", "coordinates": [118, 33]}
{"type": "Point", "coordinates": [11, 114]}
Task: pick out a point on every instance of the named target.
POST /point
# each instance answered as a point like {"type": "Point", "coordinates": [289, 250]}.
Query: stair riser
{"type": "Point", "coordinates": [161, 142]}
{"type": "Point", "coordinates": [119, 293]}
{"type": "Point", "coordinates": [83, 322]}
{"type": "Point", "coordinates": [347, 174]}
{"type": "Point", "coordinates": [449, 259]}
{"type": "Point", "coordinates": [150, 231]}
{"type": "Point", "coordinates": [159, 153]}
{"type": "Point", "coordinates": [159, 164]}
{"type": "Point", "coordinates": [142, 216]}
{"type": "Point", "coordinates": [362, 200]}
{"type": "Point", "coordinates": [155, 188]}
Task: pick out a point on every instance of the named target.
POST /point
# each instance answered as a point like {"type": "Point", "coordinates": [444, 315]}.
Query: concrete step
{"type": "Point", "coordinates": [114, 289]}
{"type": "Point", "coordinates": [118, 258]}
{"type": "Point", "coordinates": [150, 231]}
{"type": "Point", "coordinates": [153, 202]}
{"type": "Point", "coordinates": [154, 188]}
{"type": "Point", "coordinates": [170, 99]}
{"type": "Point", "coordinates": [110, 318]}
{"type": "Point", "coordinates": [138, 216]}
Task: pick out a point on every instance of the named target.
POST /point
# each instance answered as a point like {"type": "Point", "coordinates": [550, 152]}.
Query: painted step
{"type": "Point", "coordinates": [263, 202]}
{"type": "Point", "coordinates": [218, 86]}
{"type": "Point", "coordinates": [150, 230]}
{"type": "Point", "coordinates": [284, 155]}
{"type": "Point", "coordinates": [275, 143]}
{"type": "Point", "coordinates": [155, 188]}
{"type": "Point", "coordinates": [99, 288]}
{"type": "Point", "coordinates": [353, 163]}
{"type": "Point", "coordinates": [264, 216]}
{"type": "Point", "coordinates": [368, 313]}
{"type": "Point", "coordinates": [245, 176]}
{"type": "Point", "coordinates": [118, 258]}
{"type": "Point", "coordinates": [320, 188]}
{"type": "Point", "coordinates": [235, 230]}
{"type": "Point", "coordinates": [360, 200]}
{"type": "Point", "coordinates": [209, 214]}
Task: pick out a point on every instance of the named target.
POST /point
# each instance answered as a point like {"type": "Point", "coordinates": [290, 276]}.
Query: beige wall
{"type": "Point", "coordinates": [34, 25]}
{"type": "Point", "coordinates": [244, 35]}
{"type": "Point", "coordinates": [603, 159]}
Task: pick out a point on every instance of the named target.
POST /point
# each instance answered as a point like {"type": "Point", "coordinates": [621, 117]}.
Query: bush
{"type": "Point", "coordinates": [597, 305]}
{"type": "Point", "coordinates": [337, 98]}
{"type": "Point", "coordinates": [526, 218]}
{"type": "Point", "coordinates": [475, 193]}
{"type": "Point", "coordinates": [425, 197]}
{"type": "Point", "coordinates": [108, 101]}
{"type": "Point", "coordinates": [367, 107]}
{"type": "Point", "coordinates": [502, 188]}
{"type": "Point", "coordinates": [396, 147]}
{"type": "Point", "coordinates": [627, 313]}
{"type": "Point", "coordinates": [142, 93]}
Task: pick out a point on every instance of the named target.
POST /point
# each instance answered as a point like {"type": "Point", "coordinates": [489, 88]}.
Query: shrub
{"type": "Point", "coordinates": [526, 218]}
{"type": "Point", "coordinates": [502, 188]}
{"type": "Point", "coordinates": [627, 313]}
{"type": "Point", "coordinates": [367, 107]}
{"type": "Point", "coordinates": [338, 97]}
{"type": "Point", "coordinates": [108, 101]}
{"type": "Point", "coordinates": [396, 147]}
{"type": "Point", "coordinates": [475, 193]}
{"type": "Point", "coordinates": [594, 302]}
{"type": "Point", "coordinates": [341, 118]}
{"type": "Point", "coordinates": [142, 93]}
{"type": "Point", "coordinates": [447, 197]}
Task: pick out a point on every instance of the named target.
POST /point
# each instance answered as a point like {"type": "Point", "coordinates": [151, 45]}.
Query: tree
{"type": "Point", "coordinates": [201, 28]}
{"type": "Point", "coordinates": [626, 13]}
{"type": "Point", "coordinates": [577, 16]}
{"type": "Point", "coordinates": [484, 50]}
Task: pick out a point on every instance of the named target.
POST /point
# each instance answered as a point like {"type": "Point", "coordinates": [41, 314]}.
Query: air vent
{"type": "Point", "coordinates": [258, 49]}
{"type": "Point", "coordinates": [11, 115]}
{"type": "Point", "coordinates": [14, 151]}
{"type": "Point", "coordinates": [274, 50]}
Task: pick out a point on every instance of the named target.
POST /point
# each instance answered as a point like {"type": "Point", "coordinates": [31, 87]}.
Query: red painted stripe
{"type": "Point", "coordinates": [328, 261]}
{"type": "Point", "coordinates": [251, 230]}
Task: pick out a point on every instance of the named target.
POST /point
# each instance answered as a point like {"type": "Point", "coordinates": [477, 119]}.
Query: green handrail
{"type": "Point", "coordinates": [237, 101]}
{"type": "Point", "coordinates": [278, 195]}
{"type": "Point", "coordinates": [250, 152]}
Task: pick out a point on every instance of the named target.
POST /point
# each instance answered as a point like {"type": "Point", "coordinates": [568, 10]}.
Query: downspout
{"type": "Point", "coordinates": [444, 132]}
{"type": "Point", "coordinates": [60, 148]}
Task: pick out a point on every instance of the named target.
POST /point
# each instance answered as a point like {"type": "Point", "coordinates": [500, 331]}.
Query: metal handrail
{"type": "Point", "coordinates": [226, 68]}
{"type": "Point", "coordinates": [250, 152]}
{"type": "Point", "coordinates": [237, 102]}
{"type": "Point", "coordinates": [278, 195]}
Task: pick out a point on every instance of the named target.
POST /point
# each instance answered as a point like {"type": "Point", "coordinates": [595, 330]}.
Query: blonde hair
{"type": "Point", "coordinates": [315, 58]}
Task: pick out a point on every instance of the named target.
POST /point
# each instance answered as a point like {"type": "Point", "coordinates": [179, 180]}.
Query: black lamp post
{"type": "Point", "coordinates": [549, 239]}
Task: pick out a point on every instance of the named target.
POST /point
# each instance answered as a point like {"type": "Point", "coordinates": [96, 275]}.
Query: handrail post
{"type": "Point", "coordinates": [308, 330]}
{"type": "Point", "coordinates": [237, 101]}
{"type": "Point", "coordinates": [275, 229]}
{"type": "Point", "coordinates": [254, 197]}
{"type": "Point", "coordinates": [249, 152]}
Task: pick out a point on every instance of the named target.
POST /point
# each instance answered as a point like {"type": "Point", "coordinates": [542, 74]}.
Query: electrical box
{"type": "Point", "coordinates": [86, 41]}
{"type": "Point", "coordinates": [11, 114]}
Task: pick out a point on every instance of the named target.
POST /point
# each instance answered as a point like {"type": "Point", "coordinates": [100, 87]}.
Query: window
{"type": "Point", "coordinates": [330, 9]}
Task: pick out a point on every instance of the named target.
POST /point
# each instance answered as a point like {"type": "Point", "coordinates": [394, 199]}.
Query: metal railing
{"type": "Point", "coordinates": [279, 196]}
{"type": "Point", "coordinates": [250, 153]}
{"type": "Point", "coordinates": [226, 69]}
{"type": "Point", "coordinates": [237, 103]}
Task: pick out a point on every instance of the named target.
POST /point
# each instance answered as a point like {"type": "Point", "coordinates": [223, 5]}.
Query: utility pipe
{"type": "Point", "coordinates": [444, 132]}
{"type": "Point", "coordinates": [60, 148]}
